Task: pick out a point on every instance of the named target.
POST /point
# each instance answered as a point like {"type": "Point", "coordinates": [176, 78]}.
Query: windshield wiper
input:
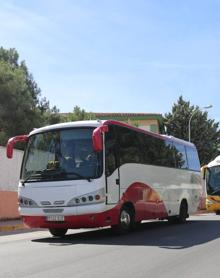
{"type": "Point", "coordinates": [75, 174]}
{"type": "Point", "coordinates": [35, 175]}
{"type": "Point", "coordinates": [49, 173]}
{"type": "Point", "coordinates": [53, 173]}
{"type": "Point", "coordinates": [31, 176]}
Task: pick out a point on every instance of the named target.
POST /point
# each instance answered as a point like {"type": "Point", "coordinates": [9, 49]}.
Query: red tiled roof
{"type": "Point", "coordinates": [125, 114]}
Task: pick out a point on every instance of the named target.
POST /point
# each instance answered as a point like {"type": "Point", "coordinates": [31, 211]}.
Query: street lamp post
{"type": "Point", "coordinates": [193, 113]}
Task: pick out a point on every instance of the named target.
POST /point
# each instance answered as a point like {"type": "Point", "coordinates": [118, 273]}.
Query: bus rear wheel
{"type": "Point", "coordinates": [126, 221]}
{"type": "Point", "coordinates": [58, 232]}
{"type": "Point", "coordinates": [183, 214]}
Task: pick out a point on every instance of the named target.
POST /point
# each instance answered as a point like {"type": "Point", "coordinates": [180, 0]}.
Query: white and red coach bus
{"type": "Point", "coordinates": [105, 173]}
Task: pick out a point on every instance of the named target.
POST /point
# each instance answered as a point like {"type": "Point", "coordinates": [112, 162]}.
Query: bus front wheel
{"type": "Point", "coordinates": [58, 232]}
{"type": "Point", "coordinates": [126, 221]}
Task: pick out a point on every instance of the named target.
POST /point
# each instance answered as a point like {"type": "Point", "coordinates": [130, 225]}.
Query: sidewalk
{"type": "Point", "coordinates": [11, 225]}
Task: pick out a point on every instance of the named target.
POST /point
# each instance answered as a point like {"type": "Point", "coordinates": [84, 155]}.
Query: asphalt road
{"type": "Point", "coordinates": [155, 249]}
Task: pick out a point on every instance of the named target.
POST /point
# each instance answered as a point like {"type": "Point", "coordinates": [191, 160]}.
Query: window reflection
{"type": "Point", "coordinates": [62, 152]}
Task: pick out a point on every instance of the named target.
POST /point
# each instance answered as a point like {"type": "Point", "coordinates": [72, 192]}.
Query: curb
{"type": "Point", "coordinates": [199, 212]}
{"type": "Point", "coordinates": [12, 227]}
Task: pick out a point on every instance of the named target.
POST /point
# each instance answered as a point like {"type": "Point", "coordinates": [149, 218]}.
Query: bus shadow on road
{"type": "Point", "coordinates": [156, 233]}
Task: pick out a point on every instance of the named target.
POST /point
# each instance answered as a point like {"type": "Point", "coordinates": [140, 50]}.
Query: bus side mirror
{"type": "Point", "coordinates": [12, 141]}
{"type": "Point", "coordinates": [97, 138]}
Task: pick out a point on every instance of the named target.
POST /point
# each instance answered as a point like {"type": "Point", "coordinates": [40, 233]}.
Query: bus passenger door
{"type": "Point", "coordinates": [112, 173]}
{"type": "Point", "coordinates": [113, 188]}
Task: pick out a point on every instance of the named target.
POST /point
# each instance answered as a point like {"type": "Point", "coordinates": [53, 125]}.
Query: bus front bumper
{"type": "Point", "coordinates": [107, 218]}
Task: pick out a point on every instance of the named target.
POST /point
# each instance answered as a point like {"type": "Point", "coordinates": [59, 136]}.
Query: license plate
{"type": "Point", "coordinates": [55, 218]}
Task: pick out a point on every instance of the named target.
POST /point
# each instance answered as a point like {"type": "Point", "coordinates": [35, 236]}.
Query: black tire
{"type": "Point", "coordinates": [183, 214]}
{"type": "Point", "coordinates": [58, 232]}
{"type": "Point", "coordinates": [125, 222]}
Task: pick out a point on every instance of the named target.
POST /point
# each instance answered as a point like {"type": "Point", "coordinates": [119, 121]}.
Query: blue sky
{"type": "Point", "coordinates": [118, 56]}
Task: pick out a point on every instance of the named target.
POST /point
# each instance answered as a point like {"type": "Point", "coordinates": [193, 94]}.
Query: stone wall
{"type": "Point", "coordinates": [9, 177]}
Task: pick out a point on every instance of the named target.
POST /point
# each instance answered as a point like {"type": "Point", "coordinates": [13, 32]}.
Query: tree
{"type": "Point", "coordinates": [79, 114]}
{"type": "Point", "coordinates": [204, 132]}
{"type": "Point", "coordinates": [21, 108]}
{"type": "Point", "coordinates": [49, 115]}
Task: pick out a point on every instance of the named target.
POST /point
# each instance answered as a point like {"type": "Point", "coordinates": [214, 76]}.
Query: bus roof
{"type": "Point", "coordinates": [96, 123]}
{"type": "Point", "coordinates": [90, 123]}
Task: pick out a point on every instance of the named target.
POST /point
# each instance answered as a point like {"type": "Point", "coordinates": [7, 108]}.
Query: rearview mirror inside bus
{"type": "Point", "coordinates": [12, 141]}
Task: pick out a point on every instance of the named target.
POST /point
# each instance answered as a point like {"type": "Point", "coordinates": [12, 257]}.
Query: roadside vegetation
{"type": "Point", "coordinates": [22, 108]}
{"type": "Point", "coordinates": [205, 133]}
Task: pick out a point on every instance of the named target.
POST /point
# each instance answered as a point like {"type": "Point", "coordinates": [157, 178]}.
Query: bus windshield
{"type": "Point", "coordinates": [213, 180]}
{"type": "Point", "coordinates": [60, 155]}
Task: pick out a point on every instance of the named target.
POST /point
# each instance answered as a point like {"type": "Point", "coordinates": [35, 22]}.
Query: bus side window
{"type": "Point", "coordinates": [180, 155]}
{"type": "Point", "coordinates": [193, 159]}
{"type": "Point", "coordinates": [129, 146]}
{"type": "Point", "coordinates": [168, 154]}
{"type": "Point", "coordinates": [157, 152]}
{"type": "Point", "coordinates": [208, 180]}
{"type": "Point", "coordinates": [147, 150]}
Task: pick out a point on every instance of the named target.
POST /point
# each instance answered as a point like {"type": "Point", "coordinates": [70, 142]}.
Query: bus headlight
{"type": "Point", "coordinates": [26, 202]}
{"type": "Point", "coordinates": [91, 198]}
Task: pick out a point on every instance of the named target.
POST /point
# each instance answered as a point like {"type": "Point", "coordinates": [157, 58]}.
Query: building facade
{"type": "Point", "coordinates": [146, 121]}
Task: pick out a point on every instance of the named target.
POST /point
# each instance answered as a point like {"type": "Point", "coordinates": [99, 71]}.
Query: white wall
{"type": "Point", "coordinates": [10, 170]}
